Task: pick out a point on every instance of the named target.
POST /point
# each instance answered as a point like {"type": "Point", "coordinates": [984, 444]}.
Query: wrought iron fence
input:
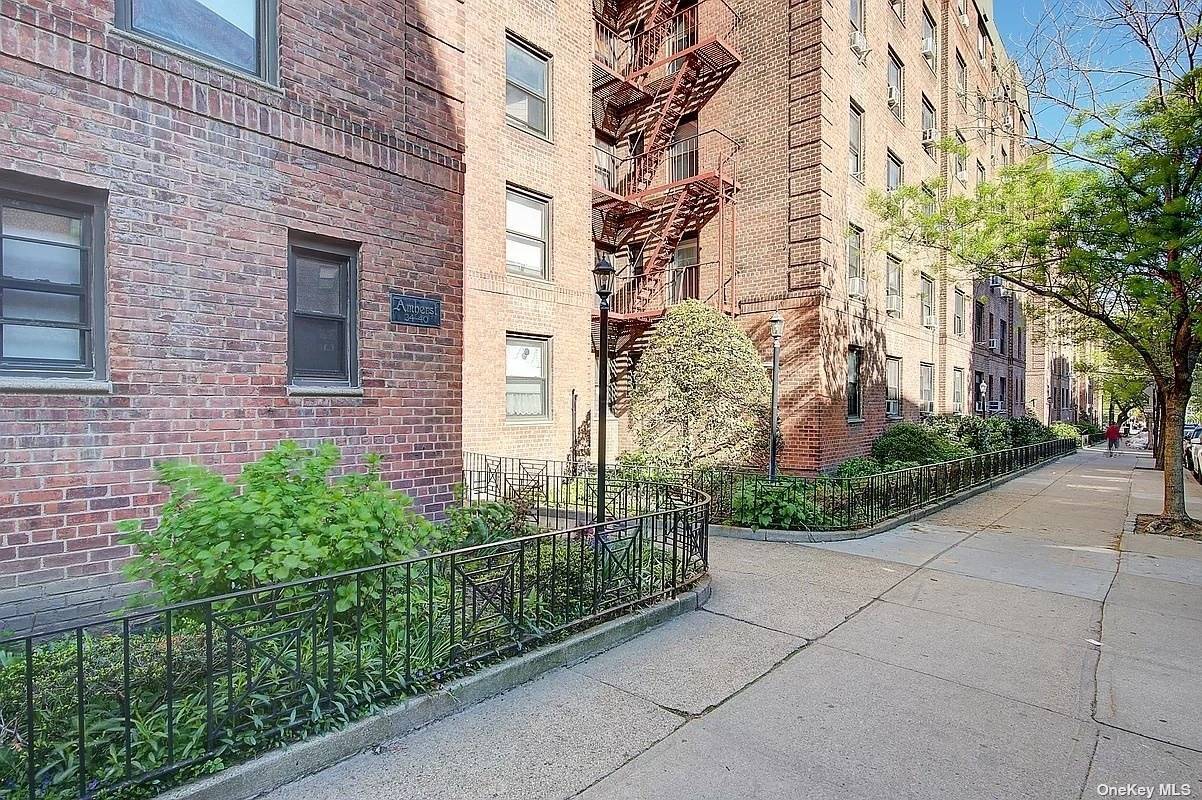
{"type": "Point", "coordinates": [159, 695]}
{"type": "Point", "coordinates": [746, 496]}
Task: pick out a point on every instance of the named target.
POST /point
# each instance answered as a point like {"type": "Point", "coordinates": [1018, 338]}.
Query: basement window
{"type": "Point", "coordinates": [241, 34]}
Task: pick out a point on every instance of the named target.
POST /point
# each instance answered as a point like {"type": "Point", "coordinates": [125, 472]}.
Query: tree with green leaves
{"type": "Point", "coordinates": [1106, 218]}
{"type": "Point", "coordinates": [701, 393]}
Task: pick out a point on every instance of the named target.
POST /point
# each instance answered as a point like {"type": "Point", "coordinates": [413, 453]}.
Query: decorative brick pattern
{"type": "Point", "coordinates": [205, 174]}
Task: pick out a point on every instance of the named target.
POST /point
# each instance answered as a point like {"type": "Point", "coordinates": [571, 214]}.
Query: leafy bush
{"type": "Point", "coordinates": [778, 506]}
{"type": "Point", "coordinates": [485, 523]}
{"type": "Point", "coordinates": [282, 519]}
{"type": "Point", "coordinates": [858, 467]}
{"type": "Point", "coordinates": [1026, 431]}
{"type": "Point", "coordinates": [1088, 428]}
{"type": "Point", "coordinates": [1065, 430]}
{"type": "Point", "coordinates": [921, 444]}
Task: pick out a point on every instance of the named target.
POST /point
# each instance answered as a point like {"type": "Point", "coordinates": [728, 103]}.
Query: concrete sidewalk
{"type": "Point", "coordinates": [958, 657]}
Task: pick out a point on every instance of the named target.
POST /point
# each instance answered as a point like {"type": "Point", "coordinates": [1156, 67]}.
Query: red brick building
{"type": "Point", "coordinates": [210, 212]}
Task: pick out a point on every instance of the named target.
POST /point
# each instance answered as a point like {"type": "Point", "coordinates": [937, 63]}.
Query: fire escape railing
{"type": "Point", "coordinates": [709, 153]}
{"type": "Point", "coordinates": [657, 50]}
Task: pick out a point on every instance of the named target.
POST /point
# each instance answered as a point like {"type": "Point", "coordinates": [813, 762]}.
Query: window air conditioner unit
{"type": "Point", "coordinates": [856, 286]}
{"type": "Point", "coordinates": [964, 19]}
{"type": "Point", "coordinates": [929, 135]}
{"type": "Point", "coordinates": [995, 281]}
{"type": "Point", "coordinates": [894, 97]}
{"type": "Point", "coordinates": [962, 176]}
{"type": "Point", "coordinates": [928, 319]}
{"type": "Point", "coordinates": [998, 93]}
{"type": "Point", "coordinates": [893, 305]}
{"type": "Point", "coordinates": [859, 43]}
{"type": "Point", "coordinates": [995, 344]}
{"type": "Point", "coordinates": [996, 406]}
{"type": "Point", "coordinates": [1007, 125]}
{"type": "Point", "coordinates": [928, 47]}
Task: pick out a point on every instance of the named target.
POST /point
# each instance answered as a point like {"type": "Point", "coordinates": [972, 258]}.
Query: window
{"type": "Point", "coordinates": [51, 285]}
{"type": "Point", "coordinates": [962, 80]}
{"type": "Point", "coordinates": [928, 301]}
{"type": "Point", "coordinates": [961, 158]}
{"type": "Point", "coordinates": [979, 388]}
{"type": "Point", "coordinates": [893, 369]}
{"type": "Point", "coordinates": [893, 281]}
{"type": "Point", "coordinates": [527, 73]}
{"type": "Point", "coordinates": [1005, 158]}
{"type": "Point", "coordinates": [982, 41]}
{"type": "Point", "coordinates": [855, 250]}
{"type": "Point", "coordinates": [322, 301]}
{"type": "Point", "coordinates": [855, 405]}
{"type": "Point", "coordinates": [855, 14]}
{"type": "Point", "coordinates": [990, 326]}
{"type": "Point", "coordinates": [982, 116]}
{"type": "Point", "coordinates": [526, 232]}
{"type": "Point", "coordinates": [929, 126]}
{"type": "Point", "coordinates": [527, 359]}
{"type": "Point", "coordinates": [855, 127]}
{"type": "Point", "coordinates": [979, 323]}
{"type": "Point", "coordinates": [961, 310]}
{"type": "Point", "coordinates": [957, 391]}
{"type": "Point", "coordinates": [896, 79]}
{"type": "Point", "coordinates": [235, 33]}
{"type": "Point", "coordinates": [1002, 337]}
{"type": "Point", "coordinates": [1001, 391]}
{"type": "Point", "coordinates": [980, 173]}
{"type": "Point", "coordinates": [930, 44]}
{"type": "Point", "coordinates": [899, 9]}
{"type": "Point", "coordinates": [895, 172]}
{"type": "Point", "coordinates": [926, 388]}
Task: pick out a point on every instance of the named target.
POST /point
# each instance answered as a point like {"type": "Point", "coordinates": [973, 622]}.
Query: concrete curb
{"type": "Point", "coordinates": [292, 762]}
{"type": "Point", "coordinates": [814, 537]}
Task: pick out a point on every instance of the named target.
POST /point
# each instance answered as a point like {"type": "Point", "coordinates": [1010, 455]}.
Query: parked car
{"type": "Point", "coordinates": [1191, 449]}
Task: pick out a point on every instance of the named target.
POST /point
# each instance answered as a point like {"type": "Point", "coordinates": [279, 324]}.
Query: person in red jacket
{"type": "Point", "coordinates": [1112, 439]}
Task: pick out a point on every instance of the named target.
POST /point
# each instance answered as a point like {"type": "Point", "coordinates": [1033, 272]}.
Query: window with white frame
{"type": "Point", "coordinates": [961, 310]}
{"type": "Point", "coordinates": [895, 172]}
{"type": "Point", "coordinates": [962, 80]}
{"type": "Point", "coordinates": [855, 128]}
{"type": "Point", "coordinates": [893, 279]}
{"type": "Point", "coordinates": [896, 80]}
{"type": "Point", "coordinates": [961, 158]}
{"type": "Point", "coordinates": [855, 251]}
{"type": "Point", "coordinates": [930, 125]}
{"type": "Point", "coordinates": [926, 388]}
{"type": "Point", "coordinates": [527, 230]}
{"type": "Point", "coordinates": [893, 394]}
{"type": "Point", "coordinates": [958, 391]}
{"type": "Point", "coordinates": [927, 293]}
{"type": "Point", "coordinates": [855, 14]}
{"type": "Point", "coordinates": [930, 40]}
{"type": "Point", "coordinates": [899, 9]}
{"type": "Point", "coordinates": [527, 370]}
{"type": "Point", "coordinates": [527, 86]}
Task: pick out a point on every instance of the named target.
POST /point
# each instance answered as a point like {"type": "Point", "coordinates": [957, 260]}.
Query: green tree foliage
{"type": "Point", "coordinates": [1107, 220]}
{"type": "Point", "coordinates": [284, 518]}
{"type": "Point", "coordinates": [701, 393]}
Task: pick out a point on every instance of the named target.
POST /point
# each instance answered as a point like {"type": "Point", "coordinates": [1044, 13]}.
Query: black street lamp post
{"type": "Point", "coordinates": [603, 279]}
{"type": "Point", "coordinates": [778, 330]}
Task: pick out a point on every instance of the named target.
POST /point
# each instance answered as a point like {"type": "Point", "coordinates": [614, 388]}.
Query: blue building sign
{"type": "Point", "coordinates": [425, 312]}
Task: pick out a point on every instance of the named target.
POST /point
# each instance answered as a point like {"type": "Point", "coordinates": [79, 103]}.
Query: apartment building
{"type": "Point", "coordinates": [792, 116]}
{"type": "Point", "coordinates": [223, 224]}
{"type": "Point", "coordinates": [529, 370]}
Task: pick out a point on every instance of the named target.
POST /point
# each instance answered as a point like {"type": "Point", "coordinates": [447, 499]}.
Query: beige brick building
{"type": "Point", "coordinates": [735, 145]}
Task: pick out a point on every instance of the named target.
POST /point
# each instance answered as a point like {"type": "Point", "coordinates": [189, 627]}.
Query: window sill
{"type": "Point", "coordinates": [325, 391]}
{"type": "Point", "coordinates": [855, 420]}
{"type": "Point", "coordinates": [526, 277]}
{"type": "Point", "coordinates": [518, 125]}
{"type": "Point", "coordinates": [33, 385]}
{"type": "Point", "coordinates": [529, 423]}
{"type": "Point", "coordinates": [193, 58]}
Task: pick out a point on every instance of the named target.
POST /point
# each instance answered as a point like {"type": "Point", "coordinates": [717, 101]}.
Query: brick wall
{"type": "Point", "coordinates": [205, 173]}
{"type": "Point", "coordinates": [559, 167]}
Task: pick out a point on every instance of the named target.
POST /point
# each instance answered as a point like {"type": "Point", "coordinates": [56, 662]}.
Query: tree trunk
{"type": "Point", "coordinates": [1171, 421]}
{"type": "Point", "coordinates": [1158, 427]}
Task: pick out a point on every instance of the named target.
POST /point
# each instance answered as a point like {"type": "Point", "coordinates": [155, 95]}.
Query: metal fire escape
{"type": "Point", "coordinates": [659, 179]}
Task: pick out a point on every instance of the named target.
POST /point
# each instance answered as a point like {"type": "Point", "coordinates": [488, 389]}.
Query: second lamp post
{"type": "Point", "coordinates": [778, 330]}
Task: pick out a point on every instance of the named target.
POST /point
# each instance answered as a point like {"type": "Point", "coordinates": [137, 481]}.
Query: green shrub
{"type": "Point", "coordinates": [778, 506]}
{"type": "Point", "coordinates": [1026, 431]}
{"type": "Point", "coordinates": [1089, 428]}
{"type": "Point", "coordinates": [921, 444]}
{"type": "Point", "coordinates": [485, 523]}
{"type": "Point", "coordinates": [284, 518]}
{"type": "Point", "coordinates": [858, 467]}
{"type": "Point", "coordinates": [1065, 430]}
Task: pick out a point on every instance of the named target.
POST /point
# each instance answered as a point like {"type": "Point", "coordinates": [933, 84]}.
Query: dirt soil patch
{"type": "Point", "coordinates": [1155, 524]}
